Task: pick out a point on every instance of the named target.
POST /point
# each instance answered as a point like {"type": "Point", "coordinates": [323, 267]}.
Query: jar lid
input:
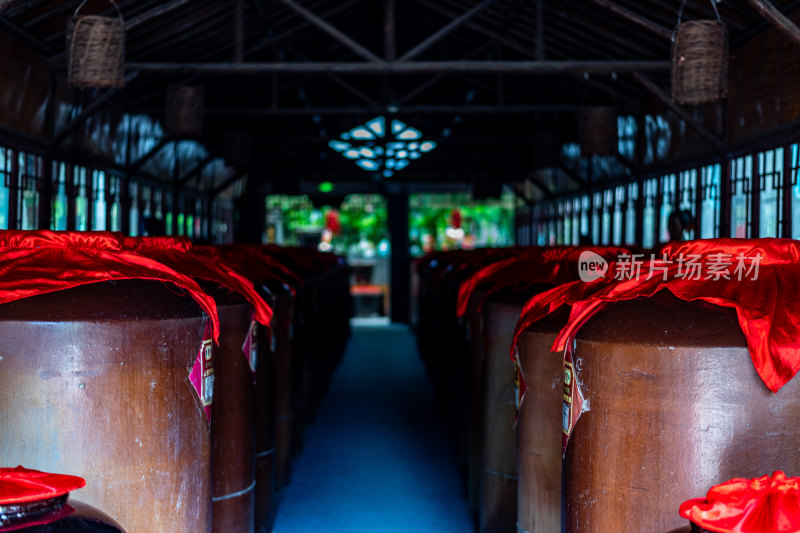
{"type": "Point", "coordinates": [760, 505]}
{"type": "Point", "coordinates": [21, 485]}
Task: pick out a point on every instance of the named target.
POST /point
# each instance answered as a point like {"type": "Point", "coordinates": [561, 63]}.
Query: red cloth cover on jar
{"type": "Point", "coordinates": [761, 505]}
{"type": "Point", "coordinates": [177, 253]}
{"type": "Point", "coordinates": [21, 485]}
{"type": "Point", "coordinates": [530, 266]}
{"type": "Point", "coordinates": [765, 298]}
{"type": "Point", "coordinates": [42, 261]}
{"type": "Point", "coordinates": [253, 261]}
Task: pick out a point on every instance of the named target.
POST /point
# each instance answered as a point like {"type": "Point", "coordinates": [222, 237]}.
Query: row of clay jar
{"type": "Point", "coordinates": [602, 406]}
{"type": "Point", "coordinates": [174, 379]}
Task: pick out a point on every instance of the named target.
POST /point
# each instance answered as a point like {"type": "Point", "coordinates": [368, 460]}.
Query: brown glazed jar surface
{"type": "Point", "coordinates": [539, 427]}
{"type": "Point", "coordinates": [94, 381]}
{"type": "Point", "coordinates": [499, 480]}
{"type": "Point", "coordinates": [233, 419]}
{"type": "Point", "coordinates": [675, 407]}
{"type": "Point", "coordinates": [284, 418]}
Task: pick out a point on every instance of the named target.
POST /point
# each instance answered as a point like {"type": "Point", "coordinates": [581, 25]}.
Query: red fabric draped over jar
{"type": "Point", "coordinates": [529, 266]}
{"type": "Point", "coordinates": [765, 297]}
{"type": "Point", "coordinates": [253, 261]}
{"type": "Point", "coordinates": [177, 253]}
{"type": "Point", "coordinates": [21, 485]}
{"type": "Point", "coordinates": [42, 261]}
{"type": "Point", "coordinates": [761, 505]}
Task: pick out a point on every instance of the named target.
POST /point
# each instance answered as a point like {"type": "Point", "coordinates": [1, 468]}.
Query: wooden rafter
{"type": "Point", "coordinates": [446, 30]}
{"type": "Point", "coordinates": [330, 30]}
{"type": "Point", "coordinates": [778, 19]}
{"type": "Point", "coordinates": [684, 115]}
{"type": "Point", "coordinates": [637, 19]}
{"type": "Point", "coordinates": [411, 67]}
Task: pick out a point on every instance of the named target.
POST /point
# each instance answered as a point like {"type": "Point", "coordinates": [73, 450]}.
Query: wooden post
{"type": "Point", "coordinates": [699, 192]}
{"type": "Point", "coordinates": [13, 192]}
{"type": "Point", "coordinates": [789, 180]}
{"type": "Point", "coordinates": [640, 205]}
{"type": "Point", "coordinates": [755, 200]}
{"type": "Point", "coordinates": [70, 188]}
{"type": "Point", "coordinates": [726, 188]}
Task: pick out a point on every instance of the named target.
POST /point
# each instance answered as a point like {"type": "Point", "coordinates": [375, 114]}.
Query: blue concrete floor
{"type": "Point", "coordinates": [377, 458]}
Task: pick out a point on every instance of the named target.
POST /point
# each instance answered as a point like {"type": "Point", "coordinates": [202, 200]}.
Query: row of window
{"type": "Point", "coordinates": [749, 196]}
{"type": "Point", "coordinates": [85, 199]}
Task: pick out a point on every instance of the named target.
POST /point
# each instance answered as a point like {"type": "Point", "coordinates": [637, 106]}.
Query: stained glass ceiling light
{"type": "Point", "coordinates": [382, 146]}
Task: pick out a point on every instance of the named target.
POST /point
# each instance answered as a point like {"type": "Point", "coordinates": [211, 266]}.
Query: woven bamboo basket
{"type": "Point", "coordinates": [700, 62]}
{"type": "Point", "coordinates": [597, 131]}
{"type": "Point", "coordinates": [96, 46]}
{"type": "Point", "coordinates": [185, 110]}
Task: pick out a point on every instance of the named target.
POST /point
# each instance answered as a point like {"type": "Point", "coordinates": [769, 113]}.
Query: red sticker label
{"type": "Point", "coordinates": [573, 403]}
{"type": "Point", "coordinates": [250, 349]}
{"type": "Point", "coordinates": [202, 374]}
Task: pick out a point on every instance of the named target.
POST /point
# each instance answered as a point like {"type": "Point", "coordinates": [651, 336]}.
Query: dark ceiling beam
{"type": "Point", "coordinates": [7, 4]}
{"type": "Point", "coordinates": [156, 12]}
{"type": "Point", "coordinates": [574, 176]}
{"type": "Point", "coordinates": [361, 95]}
{"type": "Point", "coordinates": [139, 163]}
{"type": "Point", "coordinates": [25, 37]}
{"type": "Point", "coordinates": [446, 30]}
{"type": "Point", "coordinates": [261, 13]}
{"type": "Point", "coordinates": [349, 87]}
{"type": "Point", "coordinates": [479, 28]}
{"type": "Point", "coordinates": [302, 25]}
{"type": "Point", "coordinates": [536, 182]}
{"type": "Point", "coordinates": [758, 28]}
{"type": "Point", "coordinates": [404, 110]}
{"type": "Point", "coordinates": [411, 67]}
{"type": "Point", "coordinates": [519, 194]}
{"type": "Point", "coordinates": [637, 19]}
{"type": "Point", "coordinates": [194, 172]}
{"type": "Point", "coordinates": [179, 29]}
{"type": "Point", "coordinates": [684, 115]}
{"type": "Point", "coordinates": [219, 189]}
{"type": "Point", "coordinates": [330, 30]}
{"type": "Point", "coordinates": [778, 19]}
{"type": "Point", "coordinates": [598, 33]}
{"type": "Point", "coordinates": [422, 87]}
{"type": "Point", "coordinates": [195, 31]}
{"type": "Point", "coordinates": [93, 107]}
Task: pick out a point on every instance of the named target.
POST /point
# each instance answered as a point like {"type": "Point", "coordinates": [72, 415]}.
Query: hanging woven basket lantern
{"type": "Point", "coordinates": [96, 47]}
{"type": "Point", "coordinates": [699, 60]}
{"type": "Point", "coordinates": [597, 131]}
{"type": "Point", "coordinates": [185, 110]}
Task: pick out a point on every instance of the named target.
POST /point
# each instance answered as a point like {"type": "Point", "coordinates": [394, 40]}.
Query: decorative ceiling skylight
{"type": "Point", "coordinates": [381, 145]}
